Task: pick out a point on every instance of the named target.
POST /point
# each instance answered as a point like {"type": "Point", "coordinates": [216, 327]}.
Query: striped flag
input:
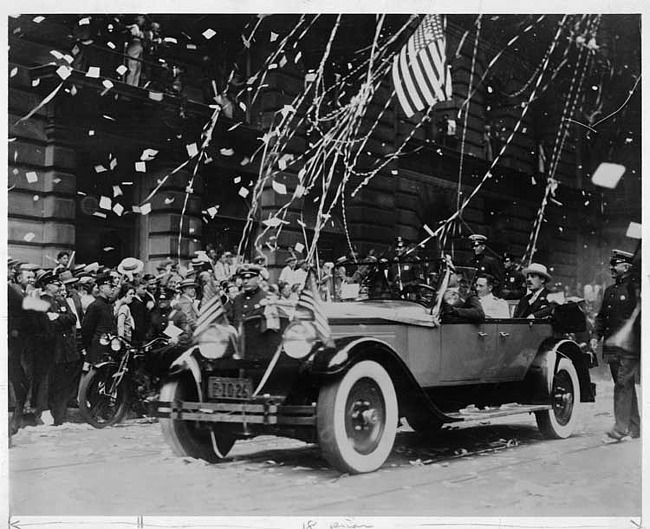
{"type": "Point", "coordinates": [212, 311]}
{"type": "Point", "coordinates": [420, 73]}
{"type": "Point", "coordinates": [309, 308]}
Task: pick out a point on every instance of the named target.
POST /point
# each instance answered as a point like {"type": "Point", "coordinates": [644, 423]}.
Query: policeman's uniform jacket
{"type": "Point", "coordinates": [63, 330]}
{"type": "Point", "coordinates": [541, 307]}
{"type": "Point", "coordinates": [249, 316]}
{"type": "Point", "coordinates": [513, 285]}
{"type": "Point", "coordinates": [488, 265]}
{"type": "Point", "coordinates": [98, 320]}
{"type": "Point", "coordinates": [619, 301]}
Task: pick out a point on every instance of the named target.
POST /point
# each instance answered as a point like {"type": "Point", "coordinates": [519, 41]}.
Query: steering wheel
{"type": "Point", "coordinates": [420, 293]}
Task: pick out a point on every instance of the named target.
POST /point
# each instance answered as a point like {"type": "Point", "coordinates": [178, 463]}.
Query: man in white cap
{"type": "Point", "coordinates": [288, 272]}
{"type": "Point", "coordinates": [535, 304]}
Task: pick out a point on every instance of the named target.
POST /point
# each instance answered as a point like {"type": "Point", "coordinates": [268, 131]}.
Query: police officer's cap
{"type": "Point", "coordinates": [619, 256]}
{"type": "Point", "coordinates": [478, 238]}
{"type": "Point", "coordinates": [249, 270]}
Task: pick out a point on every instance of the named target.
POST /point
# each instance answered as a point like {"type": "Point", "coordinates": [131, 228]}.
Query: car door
{"type": "Point", "coordinates": [517, 345]}
{"type": "Point", "coordinates": [467, 350]}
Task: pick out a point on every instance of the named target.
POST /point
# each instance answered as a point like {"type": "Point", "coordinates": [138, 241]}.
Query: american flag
{"type": "Point", "coordinates": [420, 74]}
{"type": "Point", "coordinates": [212, 311]}
{"type": "Point", "coordinates": [309, 307]}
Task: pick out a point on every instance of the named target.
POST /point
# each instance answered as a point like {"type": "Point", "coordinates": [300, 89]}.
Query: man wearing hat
{"type": "Point", "coordinates": [184, 313]}
{"type": "Point", "coordinates": [535, 303]}
{"type": "Point", "coordinates": [64, 368]}
{"type": "Point", "coordinates": [621, 350]}
{"type": "Point", "coordinates": [484, 263]}
{"type": "Point", "coordinates": [252, 314]}
{"type": "Point", "coordinates": [98, 320]}
{"type": "Point", "coordinates": [131, 268]}
{"type": "Point", "coordinates": [514, 282]}
{"type": "Point", "coordinates": [288, 272]}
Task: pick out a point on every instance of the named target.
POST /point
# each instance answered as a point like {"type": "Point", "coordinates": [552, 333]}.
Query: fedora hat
{"type": "Point", "coordinates": [44, 277]}
{"type": "Point", "coordinates": [539, 269]}
{"type": "Point", "coordinates": [92, 268]}
{"type": "Point", "coordinates": [130, 266]}
{"type": "Point", "coordinates": [164, 264]}
{"type": "Point", "coordinates": [66, 277]}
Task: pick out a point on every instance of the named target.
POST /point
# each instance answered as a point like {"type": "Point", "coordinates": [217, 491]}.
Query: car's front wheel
{"type": "Point", "coordinates": [559, 422]}
{"type": "Point", "coordinates": [187, 438]}
{"type": "Point", "coordinates": [357, 418]}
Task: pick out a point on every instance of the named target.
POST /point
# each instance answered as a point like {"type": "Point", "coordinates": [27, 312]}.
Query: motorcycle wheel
{"type": "Point", "coordinates": [97, 407]}
{"type": "Point", "coordinates": [187, 438]}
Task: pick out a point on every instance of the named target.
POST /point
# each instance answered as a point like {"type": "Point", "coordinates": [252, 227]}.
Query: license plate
{"type": "Point", "coordinates": [229, 388]}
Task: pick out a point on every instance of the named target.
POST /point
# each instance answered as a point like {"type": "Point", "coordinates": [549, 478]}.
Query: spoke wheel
{"type": "Point", "coordinates": [357, 418]}
{"type": "Point", "coordinates": [187, 438]}
{"type": "Point", "coordinates": [102, 404]}
{"type": "Point", "coordinates": [559, 422]}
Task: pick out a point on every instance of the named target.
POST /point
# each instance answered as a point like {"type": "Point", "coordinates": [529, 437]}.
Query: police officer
{"type": "Point", "coordinates": [622, 350]}
{"type": "Point", "coordinates": [514, 282]}
{"type": "Point", "coordinates": [252, 314]}
{"type": "Point", "coordinates": [483, 263]}
{"type": "Point", "coordinates": [98, 320]}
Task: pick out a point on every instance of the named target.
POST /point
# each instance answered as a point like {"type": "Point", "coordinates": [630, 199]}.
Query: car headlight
{"type": "Point", "coordinates": [213, 342]}
{"type": "Point", "coordinates": [115, 344]}
{"type": "Point", "coordinates": [104, 339]}
{"type": "Point", "coordinates": [299, 338]}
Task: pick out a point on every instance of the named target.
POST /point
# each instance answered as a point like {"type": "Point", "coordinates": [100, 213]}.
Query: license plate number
{"type": "Point", "coordinates": [229, 388]}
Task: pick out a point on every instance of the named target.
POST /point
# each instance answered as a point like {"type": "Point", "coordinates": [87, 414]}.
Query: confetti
{"type": "Point", "coordinates": [209, 33]}
{"type": "Point", "coordinates": [57, 54]}
{"type": "Point", "coordinates": [242, 105]}
{"type": "Point", "coordinates": [310, 77]}
{"type": "Point", "coordinates": [608, 175]}
{"type": "Point", "coordinates": [146, 209]}
{"type": "Point", "coordinates": [13, 72]}
{"type": "Point", "coordinates": [274, 222]}
{"type": "Point", "coordinates": [135, 209]}
{"type": "Point", "coordinates": [274, 36]}
{"type": "Point", "coordinates": [108, 249]}
{"type": "Point", "coordinates": [64, 72]}
{"type": "Point", "coordinates": [118, 209]}
{"type": "Point", "coordinates": [32, 177]}
{"type": "Point", "coordinates": [29, 236]}
{"type": "Point", "coordinates": [38, 20]}
{"type": "Point", "coordinates": [226, 152]}
{"type": "Point", "coordinates": [171, 40]}
{"type": "Point", "coordinates": [100, 169]}
{"type": "Point", "coordinates": [156, 96]}
{"type": "Point", "coordinates": [191, 46]}
{"type": "Point", "coordinates": [99, 214]}
{"type": "Point", "coordinates": [169, 200]}
{"type": "Point", "coordinates": [634, 230]}
{"type": "Point", "coordinates": [121, 69]}
{"type": "Point", "coordinates": [299, 247]}
{"type": "Point", "coordinates": [36, 82]}
{"type": "Point", "coordinates": [279, 188]}
{"type": "Point", "coordinates": [192, 150]}
{"type": "Point", "coordinates": [428, 230]}
{"type": "Point", "coordinates": [234, 126]}
{"type": "Point", "coordinates": [105, 202]}
{"type": "Point", "coordinates": [109, 118]}
{"type": "Point", "coordinates": [35, 198]}
{"type": "Point", "coordinates": [84, 21]}
{"type": "Point", "coordinates": [93, 72]}
{"type": "Point", "coordinates": [243, 192]}
{"type": "Point", "coordinates": [110, 45]}
{"type": "Point", "coordinates": [113, 163]}
{"type": "Point", "coordinates": [283, 61]}
{"type": "Point", "coordinates": [148, 155]}
{"type": "Point", "coordinates": [212, 211]}
{"type": "Point", "coordinates": [141, 167]}
{"type": "Point", "coordinates": [297, 57]}
{"type": "Point", "coordinates": [299, 192]}
{"type": "Point", "coordinates": [245, 161]}
{"type": "Point", "coordinates": [236, 180]}
{"type": "Point", "coordinates": [117, 191]}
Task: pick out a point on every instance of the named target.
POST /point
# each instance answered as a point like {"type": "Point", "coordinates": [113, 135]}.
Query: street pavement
{"type": "Point", "coordinates": [491, 468]}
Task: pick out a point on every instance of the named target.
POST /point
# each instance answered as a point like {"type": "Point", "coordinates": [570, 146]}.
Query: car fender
{"type": "Point", "coordinates": [328, 362]}
{"type": "Point", "coordinates": [187, 362]}
{"type": "Point", "coordinates": [540, 374]}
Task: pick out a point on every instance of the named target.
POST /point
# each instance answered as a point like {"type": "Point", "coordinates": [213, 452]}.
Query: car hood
{"type": "Point", "coordinates": [389, 310]}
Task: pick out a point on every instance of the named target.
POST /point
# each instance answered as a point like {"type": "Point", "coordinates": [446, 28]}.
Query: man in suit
{"type": "Point", "coordinates": [619, 308]}
{"type": "Point", "coordinates": [535, 304]}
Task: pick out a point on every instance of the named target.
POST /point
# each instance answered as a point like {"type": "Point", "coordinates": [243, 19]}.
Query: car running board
{"type": "Point", "coordinates": [493, 413]}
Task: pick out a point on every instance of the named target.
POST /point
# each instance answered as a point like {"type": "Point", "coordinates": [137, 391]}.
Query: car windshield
{"type": "Point", "coordinates": [407, 278]}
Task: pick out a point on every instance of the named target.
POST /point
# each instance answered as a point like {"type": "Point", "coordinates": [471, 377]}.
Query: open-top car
{"type": "Point", "coordinates": [388, 357]}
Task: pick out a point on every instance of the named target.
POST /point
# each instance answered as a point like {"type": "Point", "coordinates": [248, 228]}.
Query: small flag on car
{"type": "Point", "coordinates": [310, 308]}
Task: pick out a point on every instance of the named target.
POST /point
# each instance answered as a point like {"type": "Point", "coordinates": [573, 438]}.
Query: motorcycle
{"type": "Point", "coordinates": [123, 382]}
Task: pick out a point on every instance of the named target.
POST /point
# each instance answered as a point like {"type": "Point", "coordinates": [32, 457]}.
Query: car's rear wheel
{"type": "Point", "coordinates": [186, 438]}
{"type": "Point", "coordinates": [357, 418]}
{"type": "Point", "coordinates": [559, 422]}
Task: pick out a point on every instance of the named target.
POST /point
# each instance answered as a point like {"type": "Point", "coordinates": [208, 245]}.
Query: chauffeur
{"type": "Point", "coordinates": [623, 356]}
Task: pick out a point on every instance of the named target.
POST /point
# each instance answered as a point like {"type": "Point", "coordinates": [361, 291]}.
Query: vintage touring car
{"type": "Point", "coordinates": [388, 359]}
